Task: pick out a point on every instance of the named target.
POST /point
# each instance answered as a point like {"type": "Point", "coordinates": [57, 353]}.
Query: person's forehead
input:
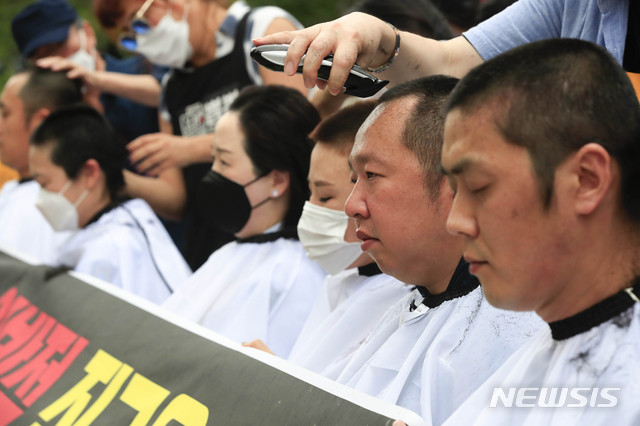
{"type": "Point", "coordinates": [328, 165]}
{"type": "Point", "coordinates": [40, 158]}
{"type": "Point", "coordinates": [325, 156]}
{"type": "Point", "coordinates": [473, 143]}
{"type": "Point", "coordinates": [228, 134]}
{"type": "Point", "coordinates": [13, 86]}
{"type": "Point", "coordinates": [380, 139]}
{"type": "Point", "coordinates": [465, 135]}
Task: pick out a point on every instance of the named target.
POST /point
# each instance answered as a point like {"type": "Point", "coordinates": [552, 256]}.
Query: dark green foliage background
{"type": "Point", "coordinates": [308, 12]}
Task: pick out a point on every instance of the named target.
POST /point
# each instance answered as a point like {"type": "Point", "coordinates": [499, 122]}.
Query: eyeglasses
{"type": "Point", "coordinates": [139, 25]}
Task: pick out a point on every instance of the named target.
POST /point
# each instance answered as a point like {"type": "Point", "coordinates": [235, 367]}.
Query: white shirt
{"type": "Point", "coordinates": [23, 227]}
{"type": "Point", "coordinates": [346, 310]}
{"type": "Point", "coordinates": [129, 247]}
{"type": "Point", "coordinates": [249, 291]}
{"type": "Point", "coordinates": [430, 359]}
{"type": "Point", "coordinates": [603, 361]}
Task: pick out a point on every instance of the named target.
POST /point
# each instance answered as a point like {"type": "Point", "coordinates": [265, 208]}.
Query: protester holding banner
{"type": "Point", "coordinates": [78, 160]}
{"type": "Point", "coordinates": [27, 98]}
{"type": "Point", "coordinates": [262, 285]}
{"type": "Point", "coordinates": [356, 293]}
{"type": "Point", "coordinates": [438, 344]}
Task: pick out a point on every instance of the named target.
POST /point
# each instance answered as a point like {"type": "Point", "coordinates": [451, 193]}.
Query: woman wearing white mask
{"type": "Point", "coordinates": [356, 293]}
{"type": "Point", "coordinates": [207, 44]}
{"type": "Point", "coordinates": [262, 285]}
{"type": "Point", "coordinates": [126, 90]}
{"type": "Point", "coordinates": [77, 160]}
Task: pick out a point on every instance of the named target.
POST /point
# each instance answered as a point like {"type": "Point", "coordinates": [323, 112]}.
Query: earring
{"type": "Point", "coordinates": [274, 193]}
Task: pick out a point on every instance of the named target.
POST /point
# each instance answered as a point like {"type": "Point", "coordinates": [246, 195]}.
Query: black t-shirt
{"type": "Point", "coordinates": [631, 60]}
{"type": "Point", "coordinates": [195, 99]}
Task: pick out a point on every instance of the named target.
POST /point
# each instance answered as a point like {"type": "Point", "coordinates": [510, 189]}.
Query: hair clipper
{"type": "Point", "coordinates": [359, 83]}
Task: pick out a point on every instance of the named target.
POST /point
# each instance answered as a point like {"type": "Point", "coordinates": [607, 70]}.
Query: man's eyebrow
{"type": "Point", "coordinates": [365, 158]}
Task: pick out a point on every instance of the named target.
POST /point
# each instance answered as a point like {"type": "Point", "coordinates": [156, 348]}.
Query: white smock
{"type": "Point", "coordinates": [349, 305]}
{"type": "Point", "coordinates": [252, 290]}
{"type": "Point", "coordinates": [601, 366]}
{"type": "Point", "coordinates": [430, 360]}
{"type": "Point", "coordinates": [129, 247]}
{"type": "Point", "coordinates": [23, 227]}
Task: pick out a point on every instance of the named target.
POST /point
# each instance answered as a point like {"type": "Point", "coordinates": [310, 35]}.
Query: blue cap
{"type": "Point", "coordinates": [41, 23]}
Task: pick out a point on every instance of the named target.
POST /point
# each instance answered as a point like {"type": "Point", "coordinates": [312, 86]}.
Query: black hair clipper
{"type": "Point", "coordinates": [360, 83]}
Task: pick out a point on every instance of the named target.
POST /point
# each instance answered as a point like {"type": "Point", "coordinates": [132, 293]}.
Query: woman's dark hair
{"type": "Point", "coordinates": [80, 133]}
{"type": "Point", "coordinates": [340, 128]}
{"type": "Point", "coordinates": [276, 121]}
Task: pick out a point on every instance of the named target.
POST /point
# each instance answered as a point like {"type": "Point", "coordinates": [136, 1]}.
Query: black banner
{"type": "Point", "coordinates": [74, 354]}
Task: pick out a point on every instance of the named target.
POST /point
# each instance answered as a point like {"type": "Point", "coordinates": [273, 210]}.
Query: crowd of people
{"type": "Point", "coordinates": [472, 229]}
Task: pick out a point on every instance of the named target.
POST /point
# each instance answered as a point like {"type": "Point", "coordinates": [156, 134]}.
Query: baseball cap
{"type": "Point", "coordinates": [40, 23]}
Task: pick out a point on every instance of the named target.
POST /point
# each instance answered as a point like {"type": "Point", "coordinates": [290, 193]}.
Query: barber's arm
{"type": "Point", "coordinates": [370, 42]}
{"type": "Point", "coordinates": [141, 88]}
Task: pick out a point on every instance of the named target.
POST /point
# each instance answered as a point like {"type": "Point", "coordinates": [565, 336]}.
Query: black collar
{"type": "Point", "coordinates": [112, 205]}
{"type": "Point", "coordinates": [369, 270]}
{"type": "Point", "coordinates": [461, 284]}
{"type": "Point", "coordinates": [271, 236]}
{"type": "Point", "coordinates": [25, 180]}
{"type": "Point", "coordinates": [597, 314]}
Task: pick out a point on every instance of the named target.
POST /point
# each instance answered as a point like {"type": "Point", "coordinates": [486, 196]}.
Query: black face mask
{"type": "Point", "coordinates": [224, 203]}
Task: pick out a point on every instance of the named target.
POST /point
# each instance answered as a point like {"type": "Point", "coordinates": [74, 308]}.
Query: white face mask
{"type": "Point", "coordinates": [321, 232]}
{"type": "Point", "coordinates": [168, 42]}
{"type": "Point", "coordinates": [82, 57]}
{"type": "Point", "coordinates": [57, 210]}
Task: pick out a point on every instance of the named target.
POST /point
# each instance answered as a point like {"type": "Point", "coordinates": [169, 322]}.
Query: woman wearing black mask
{"type": "Point", "coordinates": [206, 44]}
{"type": "Point", "coordinates": [262, 285]}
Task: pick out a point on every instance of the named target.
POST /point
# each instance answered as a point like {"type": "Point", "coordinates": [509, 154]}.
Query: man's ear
{"type": "Point", "coordinates": [91, 173]}
{"type": "Point", "coordinates": [37, 118]}
{"type": "Point", "coordinates": [593, 168]}
{"type": "Point", "coordinates": [280, 183]}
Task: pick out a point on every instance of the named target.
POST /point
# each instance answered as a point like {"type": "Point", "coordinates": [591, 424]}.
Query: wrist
{"type": "Point", "coordinates": [391, 54]}
{"type": "Point", "coordinates": [94, 78]}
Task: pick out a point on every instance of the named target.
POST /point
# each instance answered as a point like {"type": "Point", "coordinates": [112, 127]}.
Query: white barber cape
{"type": "Point", "coordinates": [129, 247]}
{"type": "Point", "coordinates": [349, 305]}
{"type": "Point", "coordinates": [23, 227]}
{"type": "Point", "coordinates": [430, 359]}
{"type": "Point", "coordinates": [586, 370]}
{"type": "Point", "coordinates": [261, 288]}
